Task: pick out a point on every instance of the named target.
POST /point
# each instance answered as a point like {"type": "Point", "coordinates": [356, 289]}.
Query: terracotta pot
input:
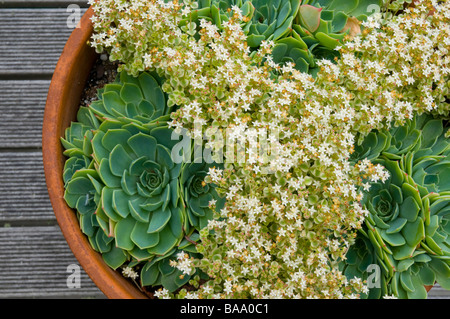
{"type": "Point", "coordinates": [64, 94]}
{"type": "Point", "coordinates": [69, 78]}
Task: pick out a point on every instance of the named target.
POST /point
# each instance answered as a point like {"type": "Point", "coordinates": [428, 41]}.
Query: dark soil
{"type": "Point", "coordinates": [102, 72]}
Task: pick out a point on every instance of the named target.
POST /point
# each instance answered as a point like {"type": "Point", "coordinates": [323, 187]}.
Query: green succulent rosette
{"type": "Point", "coordinates": [272, 20]}
{"type": "Point", "coordinates": [137, 204]}
{"type": "Point", "coordinates": [407, 230]}
{"type": "Point", "coordinates": [159, 272]}
{"type": "Point", "coordinates": [141, 194]}
{"type": "Point", "coordinates": [407, 239]}
{"type": "Point", "coordinates": [201, 198]}
{"type": "Point", "coordinates": [133, 99]}
{"type": "Point", "coordinates": [82, 192]}
{"type": "Point", "coordinates": [265, 20]}
{"type": "Point", "coordinates": [423, 135]}
{"type": "Point", "coordinates": [359, 262]}
{"type": "Point", "coordinates": [77, 142]}
{"type": "Point", "coordinates": [83, 184]}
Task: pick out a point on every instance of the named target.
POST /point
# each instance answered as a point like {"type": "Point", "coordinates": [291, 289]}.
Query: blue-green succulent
{"type": "Point", "coordinates": [136, 203]}
{"type": "Point", "coordinates": [407, 230]}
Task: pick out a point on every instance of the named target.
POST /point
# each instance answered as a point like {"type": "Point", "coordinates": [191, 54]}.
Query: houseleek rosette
{"type": "Point", "coordinates": [201, 198]}
{"type": "Point", "coordinates": [122, 181]}
{"type": "Point", "coordinates": [140, 199]}
{"type": "Point", "coordinates": [407, 230]}
{"type": "Point", "coordinates": [138, 99]}
{"type": "Point", "coordinates": [83, 184]}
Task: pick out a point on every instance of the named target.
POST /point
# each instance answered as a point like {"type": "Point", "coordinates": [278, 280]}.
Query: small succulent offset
{"type": "Point", "coordinates": [199, 196]}
{"type": "Point", "coordinates": [135, 203]}
{"type": "Point", "coordinates": [139, 99]}
{"type": "Point", "coordinates": [272, 20]}
{"type": "Point", "coordinates": [318, 28]}
{"type": "Point", "coordinates": [407, 231]}
{"type": "Point", "coordinates": [263, 20]}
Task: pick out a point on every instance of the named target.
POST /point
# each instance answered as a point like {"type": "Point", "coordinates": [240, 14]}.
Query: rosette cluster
{"type": "Point", "coordinates": [303, 31]}
{"type": "Point", "coordinates": [137, 203]}
{"type": "Point", "coordinates": [406, 233]}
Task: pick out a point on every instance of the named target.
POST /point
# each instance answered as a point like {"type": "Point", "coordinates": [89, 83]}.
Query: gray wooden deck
{"type": "Point", "coordinates": [35, 259]}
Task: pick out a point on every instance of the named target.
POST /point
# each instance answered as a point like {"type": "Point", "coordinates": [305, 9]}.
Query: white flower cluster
{"type": "Point", "coordinates": [184, 263]}
{"type": "Point", "coordinates": [129, 272]}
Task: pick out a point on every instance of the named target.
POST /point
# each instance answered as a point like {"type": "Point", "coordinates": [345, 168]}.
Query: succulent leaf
{"type": "Point", "coordinates": [310, 17]}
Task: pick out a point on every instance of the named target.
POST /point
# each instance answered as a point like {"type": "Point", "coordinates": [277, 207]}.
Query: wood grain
{"type": "Point", "coordinates": [22, 104]}
{"type": "Point", "coordinates": [34, 263]}
{"type": "Point", "coordinates": [31, 40]}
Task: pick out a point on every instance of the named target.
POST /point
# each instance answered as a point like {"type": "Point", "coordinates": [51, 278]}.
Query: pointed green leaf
{"type": "Point", "coordinates": [339, 21]}
{"type": "Point", "coordinates": [129, 183]}
{"type": "Point", "coordinates": [419, 289]}
{"type": "Point", "coordinates": [414, 232]}
{"type": "Point", "coordinates": [106, 202]}
{"type": "Point", "coordinates": [143, 239]}
{"type": "Point", "coordinates": [122, 232]}
{"type": "Point", "coordinates": [120, 202]}
{"type": "Point", "coordinates": [143, 145]}
{"type": "Point", "coordinates": [159, 219]}
{"type": "Point", "coordinates": [119, 160]}
{"type": "Point", "coordinates": [283, 13]}
{"type": "Point", "coordinates": [136, 210]}
{"type": "Point", "coordinates": [284, 29]}
{"type": "Point", "coordinates": [405, 280]}
{"type": "Point", "coordinates": [166, 243]}
{"type": "Point", "coordinates": [254, 40]}
{"type": "Point", "coordinates": [396, 225]}
{"type": "Point", "coordinates": [409, 209]}
{"type": "Point", "coordinates": [327, 41]}
{"type": "Point", "coordinates": [131, 93]}
{"type": "Point", "coordinates": [427, 275]}
{"type": "Point", "coordinates": [152, 91]}
{"type": "Point", "coordinates": [404, 264]}
{"type": "Point", "coordinates": [393, 239]}
{"type": "Point", "coordinates": [149, 274]}
{"type": "Point", "coordinates": [107, 176]}
{"type": "Point", "coordinates": [114, 137]}
{"type": "Point", "coordinates": [115, 257]}
{"type": "Point", "coordinates": [403, 252]}
{"type": "Point", "coordinates": [310, 17]}
{"type": "Point", "coordinates": [176, 222]}
{"type": "Point", "coordinates": [112, 102]}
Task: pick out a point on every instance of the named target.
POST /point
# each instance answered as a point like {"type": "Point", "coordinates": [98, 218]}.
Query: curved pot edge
{"type": "Point", "coordinates": [64, 92]}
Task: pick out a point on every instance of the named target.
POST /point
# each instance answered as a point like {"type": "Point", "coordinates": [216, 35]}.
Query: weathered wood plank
{"type": "Point", "coordinates": [35, 263]}
{"type": "Point", "coordinates": [24, 197]}
{"type": "Point", "coordinates": [22, 104]}
{"type": "Point", "coordinates": [31, 40]}
{"type": "Point", "coordinates": [41, 3]}
{"type": "Point", "coordinates": [437, 292]}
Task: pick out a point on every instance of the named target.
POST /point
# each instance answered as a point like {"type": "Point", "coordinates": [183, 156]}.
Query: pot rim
{"type": "Point", "coordinates": [68, 81]}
